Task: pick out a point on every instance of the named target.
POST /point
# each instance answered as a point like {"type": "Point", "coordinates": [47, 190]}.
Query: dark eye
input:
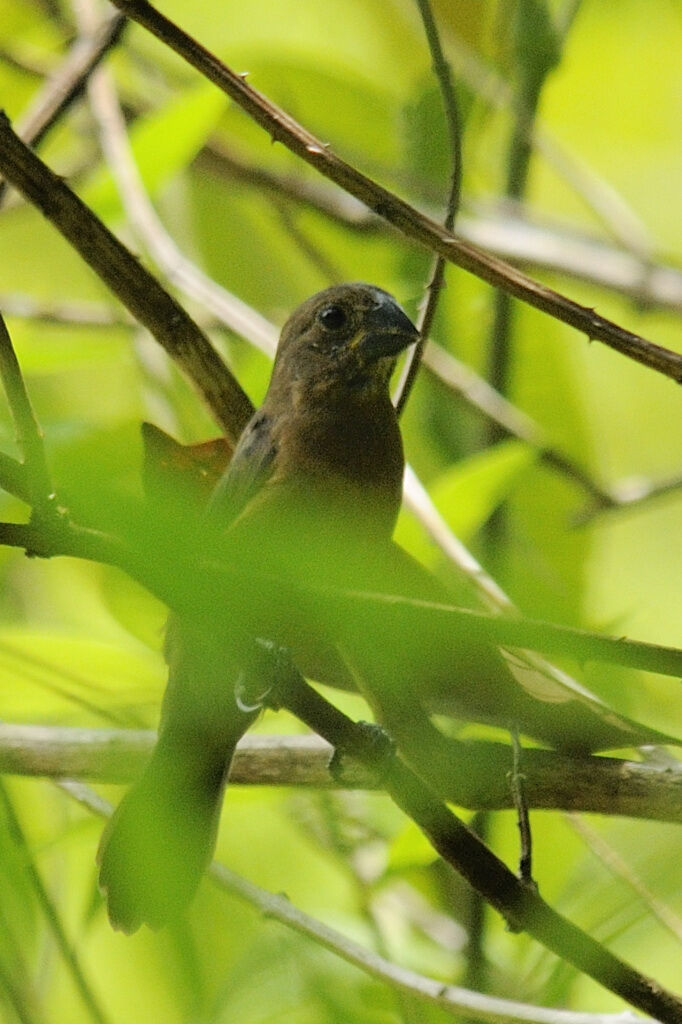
{"type": "Point", "coordinates": [333, 317]}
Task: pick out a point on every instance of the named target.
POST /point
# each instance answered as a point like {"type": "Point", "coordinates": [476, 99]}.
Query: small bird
{"type": "Point", "coordinates": [319, 464]}
{"type": "Point", "coordinates": [312, 493]}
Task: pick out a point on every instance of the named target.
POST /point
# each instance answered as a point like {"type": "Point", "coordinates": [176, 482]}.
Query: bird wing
{"type": "Point", "coordinates": [247, 472]}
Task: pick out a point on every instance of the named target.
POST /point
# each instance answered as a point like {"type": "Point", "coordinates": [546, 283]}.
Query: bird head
{"type": "Point", "coordinates": [345, 339]}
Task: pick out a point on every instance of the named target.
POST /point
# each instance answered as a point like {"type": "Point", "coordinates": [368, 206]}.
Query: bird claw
{"type": "Point", "coordinates": [259, 688]}
{"type": "Point", "coordinates": [376, 747]}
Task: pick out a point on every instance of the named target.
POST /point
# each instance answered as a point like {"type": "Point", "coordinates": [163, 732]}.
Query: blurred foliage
{"type": "Point", "coordinates": [80, 644]}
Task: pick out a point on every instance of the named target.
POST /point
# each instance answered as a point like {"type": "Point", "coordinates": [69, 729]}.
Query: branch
{"type": "Point", "coordinates": [443, 74]}
{"type": "Point", "coordinates": [510, 420]}
{"type": "Point", "coordinates": [519, 904]}
{"type": "Point", "coordinates": [504, 232]}
{"type": "Point", "coordinates": [597, 193]}
{"type": "Point", "coordinates": [477, 770]}
{"type": "Point", "coordinates": [148, 229]}
{"type": "Point", "coordinates": [450, 998]}
{"type": "Point", "coordinates": [137, 289]}
{"type": "Point", "coordinates": [224, 591]}
{"type": "Point", "coordinates": [396, 211]}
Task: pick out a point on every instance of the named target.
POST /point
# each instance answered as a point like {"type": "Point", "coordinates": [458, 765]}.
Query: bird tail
{"type": "Point", "coordinates": [160, 839]}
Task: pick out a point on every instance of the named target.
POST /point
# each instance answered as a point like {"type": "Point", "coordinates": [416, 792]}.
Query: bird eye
{"type": "Point", "coordinates": [333, 317]}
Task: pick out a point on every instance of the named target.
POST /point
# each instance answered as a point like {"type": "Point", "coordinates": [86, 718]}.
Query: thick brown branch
{"type": "Point", "coordinates": [137, 289]}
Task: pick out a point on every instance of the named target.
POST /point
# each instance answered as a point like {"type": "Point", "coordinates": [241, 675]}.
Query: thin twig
{"type": "Point", "coordinates": [599, 196]}
{"type": "Point", "coordinates": [427, 314]}
{"type": "Point", "coordinates": [146, 225]}
{"type": "Point", "coordinates": [631, 493]}
{"type": "Point", "coordinates": [517, 784]}
{"type": "Point", "coordinates": [462, 380]}
{"type": "Point", "coordinates": [420, 229]}
{"type": "Point", "coordinates": [420, 502]}
{"type": "Point", "coordinates": [449, 998]}
{"type": "Point", "coordinates": [491, 594]}
{"type": "Point", "coordinates": [505, 232]}
{"type": "Point", "coordinates": [461, 1002]}
{"type": "Point", "coordinates": [68, 81]}
{"type": "Point", "coordinates": [519, 904]}
{"type": "Point", "coordinates": [29, 434]}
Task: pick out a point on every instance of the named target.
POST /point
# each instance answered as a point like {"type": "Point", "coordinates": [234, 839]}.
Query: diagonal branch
{"type": "Point", "coordinates": [448, 998]}
{"type": "Point", "coordinates": [519, 904]}
{"type": "Point", "coordinates": [414, 225]}
{"type": "Point", "coordinates": [137, 289]}
{"type": "Point", "coordinates": [69, 80]}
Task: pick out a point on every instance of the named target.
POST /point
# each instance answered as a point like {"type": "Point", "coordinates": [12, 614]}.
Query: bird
{"type": "Point", "coordinates": [324, 447]}
{"type": "Point", "coordinates": [312, 493]}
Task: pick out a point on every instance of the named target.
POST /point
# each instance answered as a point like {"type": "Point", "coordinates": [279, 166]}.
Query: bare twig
{"type": "Point", "coordinates": [427, 314]}
{"type": "Point", "coordinates": [419, 500]}
{"type": "Point", "coordinates": [518, 903]}
{"type": "Point", "coordinates": [449, 998]}
{"type": "Point", "coordinates": [490, 593]}
{"type": "Point", "coordinates": [630, 493]}
{"type": "Point", "coordinates": [67, 82]}
{"type": "Point", "coordinates": [420, 229]}
{"type": "Point", "coordinates": [511, 421]}
{"type": "Point", "coordinates": [599, 196]}
{"type": "Point", "coordinates": [452, 999]}
{"type": "Point", "coordinates": [73, 314]}
{"type": "Point", "coordinates": [506, 232]}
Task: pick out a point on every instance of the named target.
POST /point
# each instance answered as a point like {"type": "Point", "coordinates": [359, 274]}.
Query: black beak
{"type": "Point", "coordinates": [386, 330]}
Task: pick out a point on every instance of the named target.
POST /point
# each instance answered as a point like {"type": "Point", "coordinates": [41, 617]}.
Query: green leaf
{"type": "Point", "coordinates": [73, 680]}
{"type": "Point", "coordinates": [468, 493]}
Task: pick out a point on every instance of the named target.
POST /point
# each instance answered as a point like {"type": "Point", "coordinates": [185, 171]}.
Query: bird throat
{"type": "Point", "coordinates": [349, 453]}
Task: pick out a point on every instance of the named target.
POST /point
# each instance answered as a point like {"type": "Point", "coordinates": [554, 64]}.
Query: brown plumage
{"type": "Point", "coordinates": [319, 463]}
{"type": "Point", "coordinates": [312, 494]}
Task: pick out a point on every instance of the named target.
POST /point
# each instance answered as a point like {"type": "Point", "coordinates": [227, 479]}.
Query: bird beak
{"type": "Point", "coordinates": [386, 330]}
